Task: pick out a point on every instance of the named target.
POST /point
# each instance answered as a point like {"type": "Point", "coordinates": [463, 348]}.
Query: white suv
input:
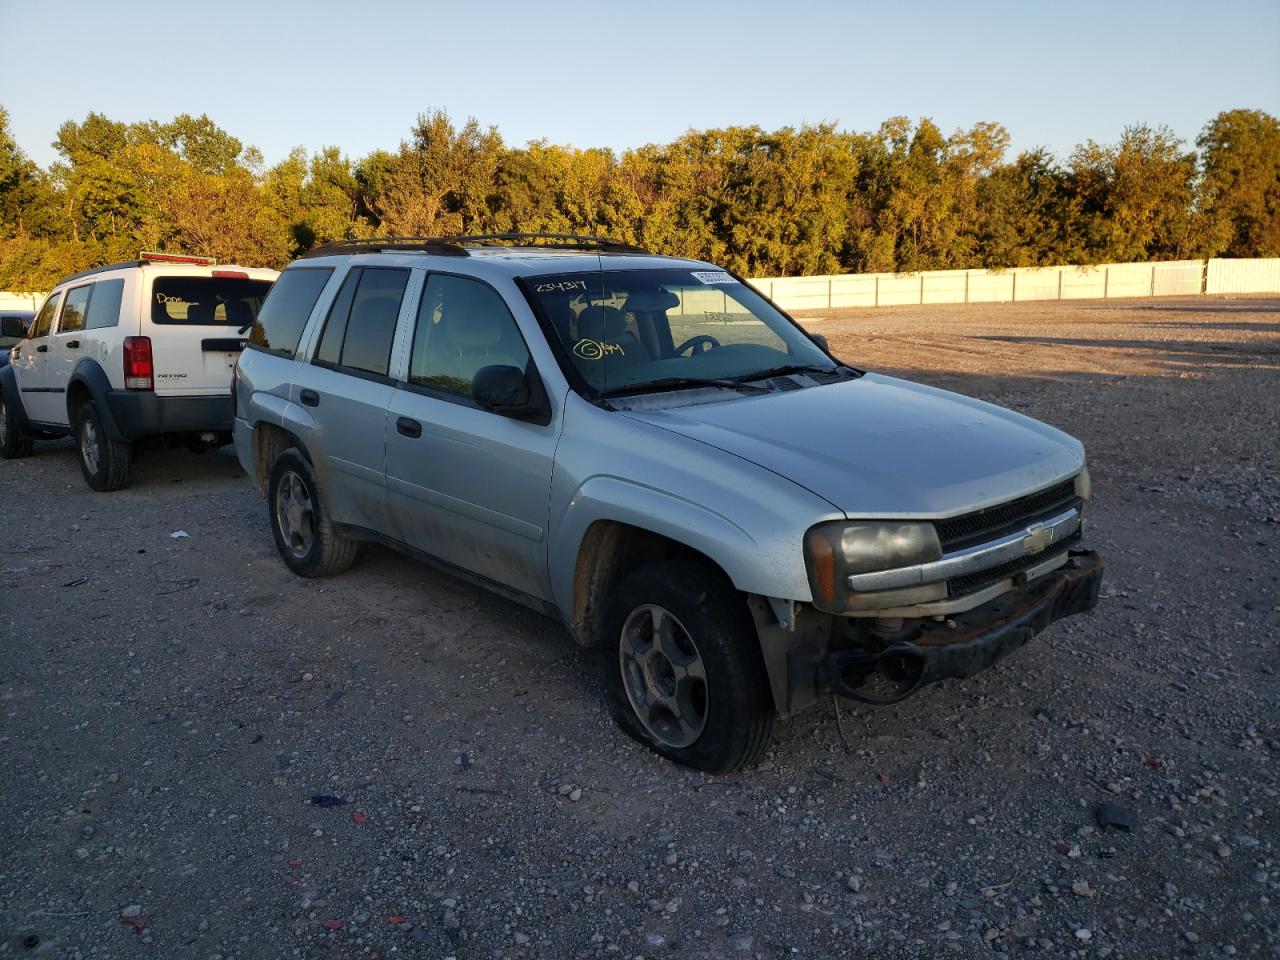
{"type": "Point", "coordinates": [131, 352]}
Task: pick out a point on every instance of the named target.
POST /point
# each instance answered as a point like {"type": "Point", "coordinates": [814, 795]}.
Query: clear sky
{"type": "Point", "coordinates": [281, 73]}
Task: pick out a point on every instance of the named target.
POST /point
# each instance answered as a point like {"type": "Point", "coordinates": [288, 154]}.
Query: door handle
{"type": "Point", "coordinates": [43, 348]}
{"type": "Point", "coordinates": [309, 398]}
{"type": "Point", "coordinates": [409, 428]}
{"type": "Point", "coordinates": [73, 344]}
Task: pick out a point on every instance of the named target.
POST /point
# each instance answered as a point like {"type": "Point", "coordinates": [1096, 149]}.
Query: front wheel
{"type": "Point", "coordinates": [12, 443]}
{"type": "Point", "coordinates": [683, 667]}
{"type": "Point", "coordinates": [107, 464]}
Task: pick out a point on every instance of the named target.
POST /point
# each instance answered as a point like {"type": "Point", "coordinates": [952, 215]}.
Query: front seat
{"type": "Point", "coordinates": [201, 312]}
{"type": "Point", "coordinates": [472, 335]}
{"type": "Point", "coordinates": [239, 314]}
{"type": "Point", "coordinates": [608, 326]}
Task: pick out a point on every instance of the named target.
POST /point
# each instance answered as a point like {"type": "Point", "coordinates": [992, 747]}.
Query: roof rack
{"type": "Point", "coordinates": [457, 246]}
{"type": "Point", "coordinates": [103, 269]}
{"type": "Point", "coordinates": [565, 241]}
{"type": "Point", "coordinates": [444, 246]}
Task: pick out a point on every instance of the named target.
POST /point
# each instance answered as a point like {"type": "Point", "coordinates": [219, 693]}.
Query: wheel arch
{"type": "Point", "coordinates": [269, 441]}
{"type": "Point", "coordinates": [12, 395]}
{"type": "Point", "coordinates": [88, 381]}
{"type": "Point", "coordinates": [608, 551]}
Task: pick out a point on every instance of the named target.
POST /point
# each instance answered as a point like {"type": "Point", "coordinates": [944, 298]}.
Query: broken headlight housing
{"type": "Point", "coordinates": [833, 551]}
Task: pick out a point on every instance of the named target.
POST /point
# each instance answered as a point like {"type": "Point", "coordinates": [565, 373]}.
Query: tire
{"type": "Point", "coordinates": [107, 464]}
{"type": "Point", "coordinates": [13, 445]}
{"type": "Point", "coordinates": [300, 521]}
{"type": "Point", "coordinates": [709, 625]}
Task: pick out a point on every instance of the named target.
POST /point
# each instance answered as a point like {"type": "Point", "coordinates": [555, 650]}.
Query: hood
{"type": "Point", "coordinates": [882, 447]}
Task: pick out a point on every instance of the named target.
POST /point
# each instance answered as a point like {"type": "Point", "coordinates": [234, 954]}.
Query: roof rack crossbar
{"type": "Point", "coordinates": [457, 246]}
{"type": "Point", "coordinates": [571, 241]}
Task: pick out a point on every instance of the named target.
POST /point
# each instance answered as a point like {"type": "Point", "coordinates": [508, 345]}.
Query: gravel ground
{"type": "Point", "coordinates": [171, 705]}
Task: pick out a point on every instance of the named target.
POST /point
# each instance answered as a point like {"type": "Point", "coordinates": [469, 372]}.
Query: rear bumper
{"type": "Point", "coordinates": [978, 638]}
{"type": "Point", "coordinates": [143, 414]}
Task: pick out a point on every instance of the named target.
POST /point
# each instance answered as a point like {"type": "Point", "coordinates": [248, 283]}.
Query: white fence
{"type": "Point", "coordinates": [1243, 276]}
{"type": "Point", "coordinates": [1164, 279]}
{"type": "Point", "coordinates": [20, 301]}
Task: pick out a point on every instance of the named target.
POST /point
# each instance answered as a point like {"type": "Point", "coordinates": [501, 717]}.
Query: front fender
{"type": "Point", "coordinates": [773, 568]}
{"type": "Point", "coordinates": [13, 396]}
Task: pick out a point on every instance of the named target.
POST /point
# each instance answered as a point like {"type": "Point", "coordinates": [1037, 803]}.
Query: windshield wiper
{"type": "Point", "coordinates": [668, 383]}
{"type": "Point", "coordinates": [784, 370]}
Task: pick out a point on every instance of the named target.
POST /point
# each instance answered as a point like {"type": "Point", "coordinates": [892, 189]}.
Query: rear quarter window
{"type": "Point", "coordinates": [104, 305]}
{"type": "Point", "coordinates": [207, 301]}
{"type": "Point", "coordinates": [283, 316]}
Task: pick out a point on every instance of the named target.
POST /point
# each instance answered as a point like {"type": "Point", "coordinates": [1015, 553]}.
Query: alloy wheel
{"type": "Point", "coordinates": [295, 514]}
{"type": "Point", "coordinates": [89, 450]}
{"type": "Point", "coordinates": [663, 675]}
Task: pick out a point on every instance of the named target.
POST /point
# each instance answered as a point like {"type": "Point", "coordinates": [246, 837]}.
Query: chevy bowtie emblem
{"type": "Point", "coordinates": [1037, 538]}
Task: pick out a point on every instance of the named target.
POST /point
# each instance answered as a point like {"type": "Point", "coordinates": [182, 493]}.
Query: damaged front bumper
{"type": "Point", "coordinates": [887, 666]}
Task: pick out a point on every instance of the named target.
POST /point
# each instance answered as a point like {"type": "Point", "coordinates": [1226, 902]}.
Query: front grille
{"type": "Point", "coordinates": [959, 586]}
{"type": "Point", "coordinates": [994, 522]}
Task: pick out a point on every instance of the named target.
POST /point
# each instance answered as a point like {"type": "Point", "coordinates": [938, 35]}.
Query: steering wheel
{"type": "Point", "coordinates": [693, 343]}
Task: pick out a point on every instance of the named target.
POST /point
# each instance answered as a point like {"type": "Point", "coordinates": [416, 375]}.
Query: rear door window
{"type": "Point", "coordinates": [73, 309]}
{"type": "Point", "coordinates": [104, 305]}
{"type": "Point", "coordinates": [283, 317]}
{"type": "Point", "coordinates": [207, 301]}
{"type": "Point", "coordinates": [367, 326]}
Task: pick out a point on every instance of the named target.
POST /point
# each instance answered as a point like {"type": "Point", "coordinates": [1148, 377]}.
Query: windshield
{"type": "Point", "coordinates": [632, 329]}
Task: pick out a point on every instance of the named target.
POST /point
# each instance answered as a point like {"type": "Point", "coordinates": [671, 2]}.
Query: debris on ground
{"type": "Point", "coordinates": [1111, 816]}
{"type": "Point", "coordinates": [325, 800]}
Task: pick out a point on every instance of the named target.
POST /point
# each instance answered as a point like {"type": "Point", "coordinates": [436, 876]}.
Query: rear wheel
{"type": "Point", "coordinates": [300, 520]}
{"type": "Point", "coordinates": [12, 443]}
{"type": "Point", "coordinates": [107, 464]}
{"type": "Point", "coordinates": [683, 667]}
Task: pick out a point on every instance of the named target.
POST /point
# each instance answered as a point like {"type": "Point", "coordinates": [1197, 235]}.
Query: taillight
{"type": "Point", "coordinates": [231, 274]}
{"type": "Point", "coordinates": [139, 372]}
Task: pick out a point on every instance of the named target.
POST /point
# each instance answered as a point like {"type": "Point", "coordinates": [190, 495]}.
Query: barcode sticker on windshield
{"type": "Point", "coordinates": [713, 276]}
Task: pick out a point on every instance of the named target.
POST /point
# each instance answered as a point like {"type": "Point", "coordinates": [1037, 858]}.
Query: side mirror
{"type": "Point", "coordinates": [821, 341]}
{"type": "Point", "coordinates": [13, 328]}
{"type": "Point", "coordinates": [509, 392]}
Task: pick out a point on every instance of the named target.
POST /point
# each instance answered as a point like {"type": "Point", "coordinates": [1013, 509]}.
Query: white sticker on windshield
{"type": "Point", "coordinates": [713, 276]}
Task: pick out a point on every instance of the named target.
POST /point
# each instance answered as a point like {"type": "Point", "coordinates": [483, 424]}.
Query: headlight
{"type": "Point", "coordinates": [835, 550]}
{"type": "Point", "coordinates": [1084, 487]}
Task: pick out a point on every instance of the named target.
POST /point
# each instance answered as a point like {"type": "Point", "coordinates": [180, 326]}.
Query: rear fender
{"type": "Point", "coordinates": [264, 407]}
{"type": "Point", "coordinates": [92, 377]}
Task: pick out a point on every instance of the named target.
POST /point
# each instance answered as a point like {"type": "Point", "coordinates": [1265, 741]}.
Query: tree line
{"type": "Point", "coordinates": [794, 201]}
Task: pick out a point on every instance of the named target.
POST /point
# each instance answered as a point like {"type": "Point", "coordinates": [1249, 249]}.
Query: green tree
{"type": "Point", "coordinates": [1240, 187]}
{"type": "Point", "coordinates": [439, 182]}
{"type": "Point", "coordinates": [1136, 196]}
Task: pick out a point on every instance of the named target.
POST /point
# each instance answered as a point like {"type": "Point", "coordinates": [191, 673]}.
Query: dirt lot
{"type": "Point", "coordinates": [169, 707]}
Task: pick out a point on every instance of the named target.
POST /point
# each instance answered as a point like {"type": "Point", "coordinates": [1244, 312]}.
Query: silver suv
{"type": "Point", "coordinates": [648, 450]}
